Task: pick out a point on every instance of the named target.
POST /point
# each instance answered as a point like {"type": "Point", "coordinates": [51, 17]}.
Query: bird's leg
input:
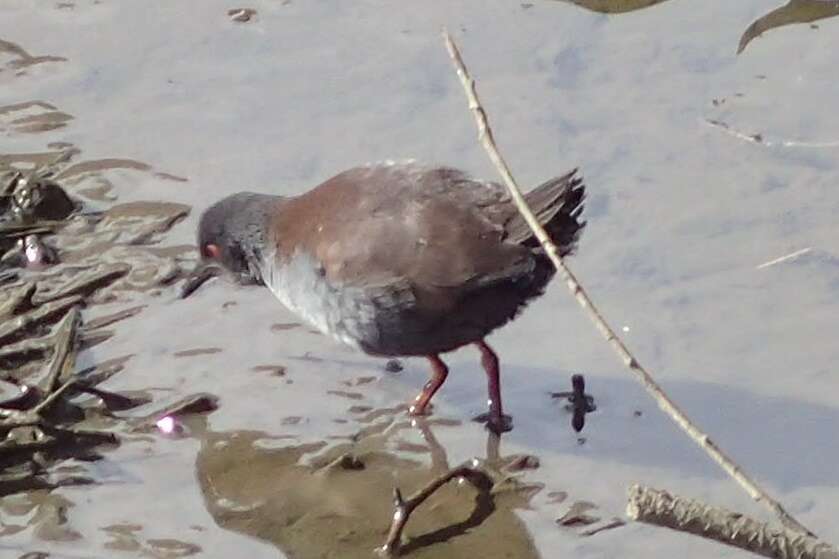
{"type": "Point", "coordinates": [439, 372]}
{"type": "Point", "coordinates": [496, 419]}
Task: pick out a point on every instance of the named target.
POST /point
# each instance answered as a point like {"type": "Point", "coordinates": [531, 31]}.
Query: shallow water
{"type": "Point", "coordinates": [178, 104]}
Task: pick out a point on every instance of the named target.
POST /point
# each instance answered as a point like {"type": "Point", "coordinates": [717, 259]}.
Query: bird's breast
{"type": "Point", "coordinates": [343, 312]}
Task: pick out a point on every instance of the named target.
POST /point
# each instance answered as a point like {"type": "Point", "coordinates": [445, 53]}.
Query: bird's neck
{"type": "Point", "coordinates": [250, 233]}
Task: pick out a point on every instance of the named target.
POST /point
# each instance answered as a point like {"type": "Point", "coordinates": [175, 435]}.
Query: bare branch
{"type": "Point", "coordinates": [403, 508]}
{"type": "Point", "coordinates": [664, 402]}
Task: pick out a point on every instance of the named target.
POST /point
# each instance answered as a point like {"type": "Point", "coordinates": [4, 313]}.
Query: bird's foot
{"type": "Point", "coordinates": [497, 423]}
{"type": "Point", "coordinates": [420, 411]}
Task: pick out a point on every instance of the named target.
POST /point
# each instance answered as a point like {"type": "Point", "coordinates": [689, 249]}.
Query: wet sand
{"type": "Point", "coordinates": [701, 164]}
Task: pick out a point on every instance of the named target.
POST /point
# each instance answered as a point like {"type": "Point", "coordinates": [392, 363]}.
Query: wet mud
{"type": "Point", "coordinates": [134, 423]}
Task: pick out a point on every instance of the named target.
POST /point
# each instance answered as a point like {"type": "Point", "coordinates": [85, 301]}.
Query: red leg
{"type": "Point", "coordinates": [439, 372]}
{"type": "Point", "coordinates": [497, 421]}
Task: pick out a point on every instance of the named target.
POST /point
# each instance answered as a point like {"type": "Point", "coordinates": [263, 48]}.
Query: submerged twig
{"type": "Point", "coordinates": [405, 507]}
{"type": "Point", "coordinates": [661, 508]}
{"type": "Point", "coordinates": [784, 258]}
{"type": "Point", "coordinates": [664, 402]}
{"type": "Point", "coordinates": [759, 138]}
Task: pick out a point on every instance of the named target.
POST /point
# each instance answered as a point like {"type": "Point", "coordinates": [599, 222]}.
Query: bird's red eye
{"type": "Point", "coordinates": [210, 251]}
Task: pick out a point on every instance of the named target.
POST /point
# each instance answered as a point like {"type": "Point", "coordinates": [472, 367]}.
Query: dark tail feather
{"type": "Point", "coordinates": [557, 204]}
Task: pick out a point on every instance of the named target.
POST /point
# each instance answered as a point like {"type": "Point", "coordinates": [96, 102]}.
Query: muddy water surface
{"type": "Point", "coordinates": [704, 167]}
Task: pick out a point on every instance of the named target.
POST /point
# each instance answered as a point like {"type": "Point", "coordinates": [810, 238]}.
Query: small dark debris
{"type": "Point", "coordinates": [242, 15]}
{"type": "Point", "coordinates": [359, 381]}
{"type": "Point", "coordinates": [282, 326]}
{"type": "Point", "coordinates": [102, 321]}
{"type": "Point", "coordinates": [637, 413]}
{"type": "Point", "coordinates": [351, 462]}
{"type": "Point", "coordinates": [196, 403]}
{"type": "Point", "coordinates": [579, 403]}
{"type": "Point", "coordinates": [346, 394]}
{"type": "Point", "coordinates": [273, 370]}
{"type": "Point", "coordinates": [556, 497]}
{"type": "Point", "coordinates": [113, 401]}
{"type": "Point", "coordinates": [523, 462]}
{"type": "Point", "coordinates": [360, 409]}
{"type": "Point", "coordinates": [308, 357]}
{"type": "Point", "coordinates": [197, 351]}
{"type": "Point", "coordinates": [394, 366]}
{"type": "Point", "coordinates": [577, 515]}
{"type": "Point", "coordinates": [614, 523]}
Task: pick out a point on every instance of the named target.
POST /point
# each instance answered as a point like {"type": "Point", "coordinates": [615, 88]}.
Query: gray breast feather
{"type": "Point", "coordinates": [352, 315]}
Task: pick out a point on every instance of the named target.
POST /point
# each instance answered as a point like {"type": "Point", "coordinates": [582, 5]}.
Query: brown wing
{"type": "Point", "coordinates": [406, 224]}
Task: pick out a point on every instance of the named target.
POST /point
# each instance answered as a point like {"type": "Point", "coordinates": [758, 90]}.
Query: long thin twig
{"type": "Point", "coordinates": [759, 139]}
{"type": "Point", "coordinates": [661, 508]}
{"type": "Point", "coordinates": [664, 402]}
{"type": "Point", "coordinates": [784, 258]}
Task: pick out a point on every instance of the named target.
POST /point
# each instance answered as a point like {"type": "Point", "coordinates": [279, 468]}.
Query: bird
{"type": "Point", "coordinates": [399, 259]}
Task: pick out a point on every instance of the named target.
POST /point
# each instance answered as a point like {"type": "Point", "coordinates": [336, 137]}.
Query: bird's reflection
{"type": "Point", "coordinates": [334, 498]}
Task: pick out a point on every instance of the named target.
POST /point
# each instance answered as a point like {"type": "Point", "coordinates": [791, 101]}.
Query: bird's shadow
{"type": "Point", "coordinates": [784, 438]}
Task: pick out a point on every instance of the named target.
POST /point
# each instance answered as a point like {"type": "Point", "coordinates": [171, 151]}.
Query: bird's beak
{"type": "Point", "coordinates": [203, 272]}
